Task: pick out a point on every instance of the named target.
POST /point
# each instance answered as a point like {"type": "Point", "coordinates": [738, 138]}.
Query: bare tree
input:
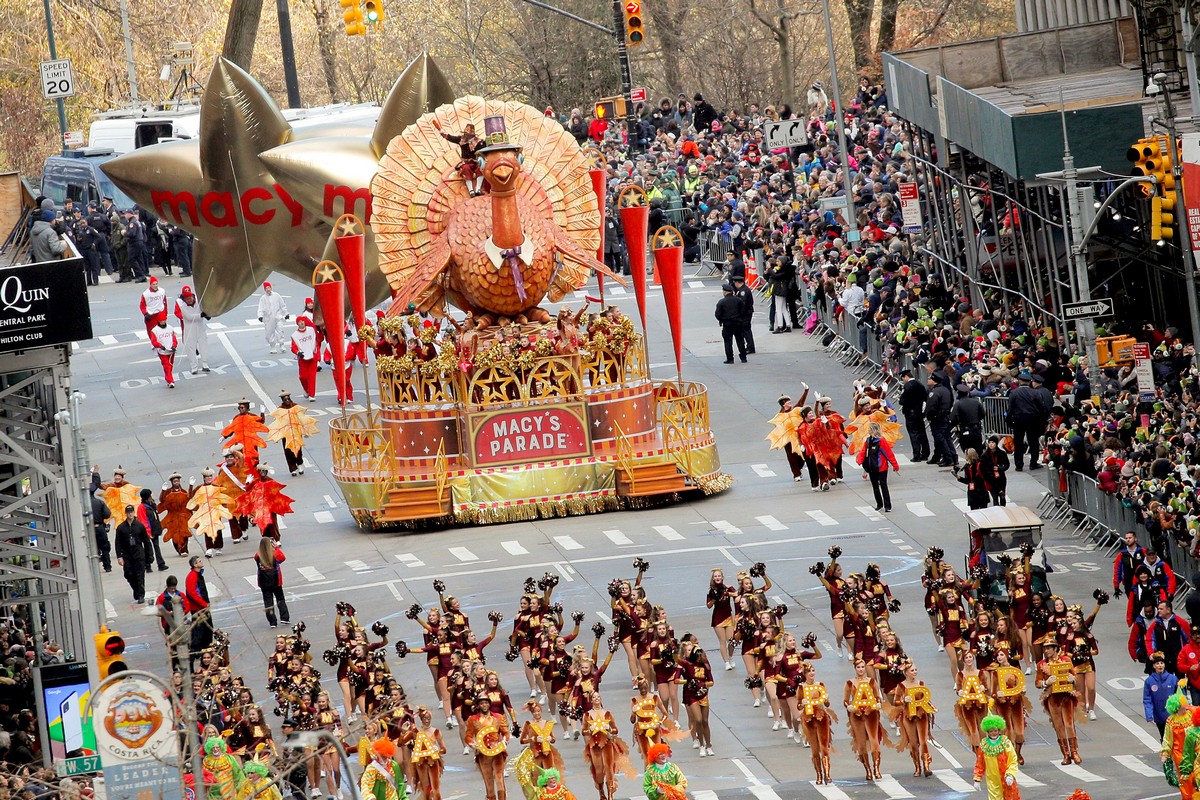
{"type": "Point", "coordinates": [859, 13]}
{"type": "Point", "coordinates": [668, 29]}
{"type": "Point", "coordinates": [327, 43]}
{"type": "Point", "coordinates": [241, 30]}
{"type": "Point", "coordinates": [778, 18]}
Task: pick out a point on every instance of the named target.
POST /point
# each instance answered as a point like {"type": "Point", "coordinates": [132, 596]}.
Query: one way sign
{"type": "Point", "coordinates": [1087, 309]}
{"type": "Point", "coordinates": [786, 133]}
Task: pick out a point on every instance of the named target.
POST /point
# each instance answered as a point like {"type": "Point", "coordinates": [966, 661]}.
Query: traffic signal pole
{"type": "Point", "coordinates": [62, 113]}
{"type": "Point", "coordinates": [626, 76]}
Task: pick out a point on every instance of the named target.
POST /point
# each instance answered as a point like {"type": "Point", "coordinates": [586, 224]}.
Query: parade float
{"type": "Point", "coordinates": [512, 413]}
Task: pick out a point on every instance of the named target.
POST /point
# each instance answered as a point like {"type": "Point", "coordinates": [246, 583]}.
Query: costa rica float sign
{"type": "Point", "coordinates": [134, 721]}
{"type": "Point", "coordinates": [519, 436]}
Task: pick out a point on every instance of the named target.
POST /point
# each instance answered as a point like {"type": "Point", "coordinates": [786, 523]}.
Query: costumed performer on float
{"type": "Point", "coordinates": [1173, 743]}
{"type": "Point", "coordinates": [996, 762]}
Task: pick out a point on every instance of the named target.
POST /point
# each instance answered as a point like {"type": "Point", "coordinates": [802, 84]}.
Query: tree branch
{"type": "Point", "coordinates": [928, 31]}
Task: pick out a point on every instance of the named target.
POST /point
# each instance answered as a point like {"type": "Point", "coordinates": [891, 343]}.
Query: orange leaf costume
{"type": "Point", "coordinates": [262, 501]}
{"type": "Point", "coordinates": [210, 509]}
{"type": "Point", "coordinates": [244, 429]}
{"type": "Point", "coordinates": [290, 426]}
{"type": "Point", "coordinates": [176, 518]}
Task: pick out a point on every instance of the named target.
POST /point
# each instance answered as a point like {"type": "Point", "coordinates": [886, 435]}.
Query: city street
{"type": "Point", "coordinates": [132, 419]}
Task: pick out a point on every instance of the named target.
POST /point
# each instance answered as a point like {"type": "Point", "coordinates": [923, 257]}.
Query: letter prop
{"type": "Point", "coordinates": [329, 287]}
{"type": "Point", "coordinates": [350, 239]}
{"type": "Point", "coordinates": [668, 259]}
{"type": "Point", "coordinates": [635, 219]}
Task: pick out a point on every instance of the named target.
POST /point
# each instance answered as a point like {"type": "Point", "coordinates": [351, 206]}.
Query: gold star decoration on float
{"type": "Point", "coordinates": [253, 214]}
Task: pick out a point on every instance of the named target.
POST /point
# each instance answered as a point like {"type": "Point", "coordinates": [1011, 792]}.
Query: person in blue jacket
{"type": "Point", "coordinates": [1160, 685]}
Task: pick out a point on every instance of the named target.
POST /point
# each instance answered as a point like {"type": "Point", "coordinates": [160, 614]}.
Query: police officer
{"type": "Point", "coordinates": [729, 315]}
{"type": "Point", "coordinates": [743, 293]}
{"type": "Point", "coordinates": [100, 523]}
{"type": "Point", "coordinates": [1029, 413]}
{"type": "Point", "coordinates": [131, 555]}
{"type": "Point", "coordinates": [88, 243]}
{"type": "Point", "coordinates": [98, 221]}
{"type": "Point", "coordinates": [912, 403]}
{"type": "Point", "coordinates": [967, 414]}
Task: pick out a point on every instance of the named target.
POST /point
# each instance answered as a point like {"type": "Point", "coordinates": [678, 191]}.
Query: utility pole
{"type": "Point", "coordinates": [62, 113]}
{"type": "Point", "coordinates": [179, 642]}
{"type": "Point", "coordinates": [130, 67]}
{"type": "Point", "coordinates": [852, 233]}
{"type": "Point", "coordinates": [626, 75]}
{"type": "Point", "coordinates": [289, 54]}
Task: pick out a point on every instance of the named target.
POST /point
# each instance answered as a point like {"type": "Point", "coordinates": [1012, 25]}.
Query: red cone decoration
{"type": "Point", "coordinates": [330, 290]}
{"type": "Point", "coordinates": [635, 219]}
{"type": "Point", "coordinates": [351, 246]}
{"type": "Point", "coordinates": [668, 259]}
{"type": "Point", "coordinates": [598, 186]}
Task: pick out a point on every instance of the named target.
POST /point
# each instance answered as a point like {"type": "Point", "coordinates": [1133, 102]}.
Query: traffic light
{"type": "Point", "coordinates": [1162, 217]}
{"type": "Point", "coordinates": [109, 649]}
{"type": "Point", "coordinates": [373, 11]}
{"type": "Point", "coordinates": [635, 33]}
{"type": "Point", "coordinates": [606, 109]}
{"type": "Point", "coordinates": [353, 17]}
{"type": "Point", "coordinates": [1149, 155]}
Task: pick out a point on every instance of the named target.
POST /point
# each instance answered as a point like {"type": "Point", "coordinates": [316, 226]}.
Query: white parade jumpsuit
{"type": "Point", "coordinates": [272, 310]}
{"type": "Point", "coordinates": [195, 334]}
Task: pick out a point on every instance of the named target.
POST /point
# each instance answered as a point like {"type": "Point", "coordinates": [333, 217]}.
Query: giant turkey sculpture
{"type": "Point", "coordinates": [494, 253]}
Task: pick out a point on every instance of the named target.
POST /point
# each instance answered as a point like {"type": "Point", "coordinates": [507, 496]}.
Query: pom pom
{"type": "Point", "coordinates": [1101, 597]}
{"type": "Point", "coordinates": [556, 609]}
{"type": "Point", "coordinates": [1005, 559]}
{"type": "Point", "coordinates": [835, 552]}
{"type": "Point", "coordinates": [495, 617]}
{"type": "Point", "coordinates": [641, 564]}
{"type": "Point", "coordinates": [758, 570]}
{"type": "Point", "coordinates": [614, 588]}
{"type": "Point", "coordinates": [780, 611]}
{"type": "Point", "coordinates": [817, 568]}
{"type": "Point", "coordinates": [894, 605]}
{"type": "Point", "coordinates": [414, 611]}
{"type": "Point", "coordinates": [439, 586]}
{"type": "Point", "coordinates": [512, 655]}
{"type": "Point", "coordinates": [299, 628]}
{"type": "Point", "coordinates": [331, 657]}
{"type": "Point", "coordinates": [614, 644]}
{"type": "Point", "coordinates": [753, 682]}
{"type": "Point", "coordinates": [936, 553]}
{"type": "Point", "coordinates": [380, 629]}
{"type": "Point", "coordinates": [1027, 549]}
{"type": "Point", "coordinates": [349, 609]}
{"type": "Point", "coordinates": [530, 586]}
{"type": "Point", "coordinates": [598, 629]}
{"type": "Point", "coordinates": [516, 729]}
{"type": "Point", "coordinates": [810, 640]}
{"type": "Point", "coordinates": [577, 617]}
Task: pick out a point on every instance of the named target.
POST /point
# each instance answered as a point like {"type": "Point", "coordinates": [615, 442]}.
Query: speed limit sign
{"type": "Point", "coordinates": [57, 79]}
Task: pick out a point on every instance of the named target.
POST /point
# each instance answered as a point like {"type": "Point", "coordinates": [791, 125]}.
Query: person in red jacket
{"type": "Point", "coordinates": [875, 456]}
{"type": "Point", "coordinates": [195, 597]}
{"type": "Point", "coordinates": [165, 341]}
{"type": "Point", "coordinates": [1162, 577]}
{"type": "Point", "coordinates": [1126, 563]}
{"type": "Point", "coordinates": [153, 305]}
{"type": "Point", "coordinates": [304, 346]}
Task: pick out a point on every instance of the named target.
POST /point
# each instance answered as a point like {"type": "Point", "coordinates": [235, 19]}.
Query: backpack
{"type": "Point", "coordinates": [268, 578]}
{"type": "Point", "coordinates": [873, 458]}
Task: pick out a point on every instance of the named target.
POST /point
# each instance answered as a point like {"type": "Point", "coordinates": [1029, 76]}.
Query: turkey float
{"type": "Point", "coordinates": [510, 410]}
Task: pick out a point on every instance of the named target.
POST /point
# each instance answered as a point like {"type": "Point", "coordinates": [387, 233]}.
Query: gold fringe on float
{"type": "Point", "coordinates": [713, 484]}
{"type": "Point", "coordinates": [545, 509]}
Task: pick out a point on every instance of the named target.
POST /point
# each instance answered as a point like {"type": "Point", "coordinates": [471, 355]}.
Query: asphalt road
{"type": "Point", "coordinates": [131, 418]}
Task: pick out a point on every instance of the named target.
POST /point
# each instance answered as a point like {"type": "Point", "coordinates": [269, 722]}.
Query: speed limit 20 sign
{"type": "Point", "coordinates": [57, 79]}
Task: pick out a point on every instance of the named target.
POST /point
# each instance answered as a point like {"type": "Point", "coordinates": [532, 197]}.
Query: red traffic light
{"type": "Point", "coordinates": [114, 645]}
{"type": "Point", "coordinates": [633, 7]}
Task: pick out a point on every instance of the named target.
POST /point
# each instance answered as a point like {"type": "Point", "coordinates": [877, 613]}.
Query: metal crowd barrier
{"type": "Point", "coordinates": [995, 409]}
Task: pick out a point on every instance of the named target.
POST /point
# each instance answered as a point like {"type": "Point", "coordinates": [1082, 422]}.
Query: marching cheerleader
{"type": "Point", "coordinates": [746, 634]}
{"type": "Point", "coordinates": [327, 764]}
{"type": "Point", "coordinates": [952, 600]}
{"type": "Point", "coordinates": [1018, 577]}
{"type": "Point", "coordinates": [816, 718]}
{"type": "Point", "coordinates": [1082, 648]}
{"type": "Point", "coordinates": [428, 763]}
{"type": "Point", "coordinates": [913, 712]}
{"type": "Point", "coordinates": [789, 675]}
{"type": "Point", "coordinates": [1039, 626]}
{"type": "Point", "coordinates": [971, 706]}
{"type": "Point", "coordinates": [934, 566]}
{"type": "Point", "coordinates": [472, 649]}
{"type": "Point", "coordinates": [982, 641]}
{"type": "Point", "coordinates": [697, 677]}
{"type": "Point", "coordinates": [1056, 679]}
{"type": "Point", "coordinates": [863, 702]}
{"type": "Point", "coordinates": [623, 595]}
{"type": "Point", "coordinates": [889, 663]}
{"type": "Point", "coordinates": [603, 749]}
{"type": "Point", "coordinates": [878, 594]}
{"type": "Point", "coordinates": [559, 667]}
{"type": "Point", "coordinates": [649, 718]}
{"type": "Point", "coordinates": [664, 651]}
{"type": "Point", "coordinates": [768, 665]}
{"type": "Point", "coordinates": [587, 683]}
{"type": "Point", "coordinates": [720, 601]}
{"type": "Point", "coordinates": [831, 579]}
{"type": "Point", "coordinates": [434, 637]}
{"type": "Point", "coordinates": [862, 624]}
{"type": "Point", "coordinates": [1009, 700]}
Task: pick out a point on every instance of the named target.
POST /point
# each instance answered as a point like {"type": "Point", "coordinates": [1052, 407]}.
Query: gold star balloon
{"type": "Point", "coordinates": [253, 215]}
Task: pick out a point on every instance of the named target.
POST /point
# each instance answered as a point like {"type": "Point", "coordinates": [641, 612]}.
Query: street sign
{"type": "Point", "coordinates": [910, 206]}
{"type": "Point", "coordinates": [73, 138]}
{"type": "Point", "coordinates": [67, 767]}
{"type": "Point", "coordinates": [637, 95]}
{"type": "Point", "coordinates": [1143, 369]}
{"type": "Point", "coordinates": [57, 79]}
{"type": "Point", "coordinates": [1087, 309]}
{"type": "Point", "coordinates": [784, 133]}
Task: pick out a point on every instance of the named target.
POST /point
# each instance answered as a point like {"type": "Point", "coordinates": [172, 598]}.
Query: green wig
{"type": "Point", "coordinates": [992, 724]}
{"type": "Point", "coordinates": [547, 776]}
{"type": "Point", "coordinates": [256, 767]}
{"type": "Point", "coordinates": [1174, 703]}
{"type": "Point", "coordinates": [214, 745]}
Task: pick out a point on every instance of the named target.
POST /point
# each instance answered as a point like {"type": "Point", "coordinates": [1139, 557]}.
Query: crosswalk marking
{"type": "Point", "coordinates": [358, 566]}
{"type": "Point", "coordinates": [580, 295]}
{"type": "Point", "coordinates": [514, 548]}
{"type": "Point", "coordinates": [892, 788]}
{"type": "Point", "coordinates": [108, 339]}
{"type": "Point", "coordinates": [763, 792]}
{"type": "Point", "coordinates": [918, 509]}
{"type": "Point", "coordinates": [961, 504]}
{"type": "Point", "coordinates": [703, 794]}
{"type": "Point", "coordinates": [410, 560]}
{"type": "Point", "coordinates": [1137, 765]}
{"type": "Point", "coordinates": [216, 326]}
{"type": "Point", "coordinates": [141, 334]}
{"type": "Point", "coordinates": [310, 573]}
{"type": "Point", "coordinates": [953, 781]}
{"type": "Point", "coordinates": [772, 524]}
{"type": "Point", "coordinates": [323, 517]}
{"type": "Point", "coordinates": [254, 322]}
{"type": "Point", "coordinates": [617, 290]}
{"type": "Point", "coordinates": [822, 517]}
{"type": "Point", "coordinates": [252, 580]}
{"type": "Point", "coordinates": [829, 791]}
{"type": "Point", "coordinates": [725, 526]}
{"type": "Point", "coordinates": [1024, 780]}
{"type": "Point", "coordinates": [1078, 773]}
{"type": "Point", "coordinates": [618, 538]}
{"type": "Point", "coordinates": [696, 285]}
{"type": "Point", "coordinates": [463, 554]}
{"type": "Point", "coordinates": [568, 543]}
{"type": "Point", "coordinates": [869, 512]}
{"type": "Point", "coordinates": [762, 470]}
{"type": "Point", "coordinates": [668, 533]}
